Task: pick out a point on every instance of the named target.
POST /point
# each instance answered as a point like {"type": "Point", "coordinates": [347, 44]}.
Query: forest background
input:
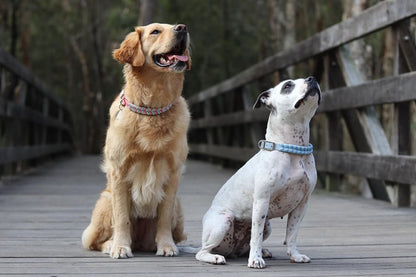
{"type": "Point", "coordinates": [68, 43]}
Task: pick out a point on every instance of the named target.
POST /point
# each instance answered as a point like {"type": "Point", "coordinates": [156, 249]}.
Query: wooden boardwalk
{"type": "Point", "coordinates": [43, 213]}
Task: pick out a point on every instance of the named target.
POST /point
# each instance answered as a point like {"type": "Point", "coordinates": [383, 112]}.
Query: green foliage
{"type": "Point", "coordinates": [70, 42]}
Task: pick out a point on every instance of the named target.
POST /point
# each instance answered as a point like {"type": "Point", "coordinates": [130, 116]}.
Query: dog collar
{"type": "Point", "coordinates": [287, 148]}
{"type": "Point", "coordinates": [142, 110]}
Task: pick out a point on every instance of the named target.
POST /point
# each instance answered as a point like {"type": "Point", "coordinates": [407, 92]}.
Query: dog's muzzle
{"type": "Point", "coordinates": [313, 88]}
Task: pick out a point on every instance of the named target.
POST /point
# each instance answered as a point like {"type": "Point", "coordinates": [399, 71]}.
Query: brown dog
{"type": "Point", "coordinates": [145, 147]}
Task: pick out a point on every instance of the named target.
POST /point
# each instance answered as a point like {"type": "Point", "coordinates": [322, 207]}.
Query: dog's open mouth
{"type": "Point", "coordinates": [311, 92]}
{"type": "Point", "coordinates": [169, 59]}
{"type": "Point", "coordinates": [174, 58]}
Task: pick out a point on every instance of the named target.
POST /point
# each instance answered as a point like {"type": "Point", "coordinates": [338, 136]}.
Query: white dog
{"type": "Point", "coordinates": [277, 181]}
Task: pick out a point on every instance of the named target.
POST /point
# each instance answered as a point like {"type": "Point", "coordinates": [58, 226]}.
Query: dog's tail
{"type": "Point", "coordinates": [189, 249]}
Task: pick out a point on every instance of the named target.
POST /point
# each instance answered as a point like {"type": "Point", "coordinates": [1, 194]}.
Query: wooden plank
{"type": "Point", "coordinates": [9, 62]}
{"type": "Point", "coordinates": [401, 169]}
{"type": "Point", "coordinates": [37, 238]}
{"type": "Point", "coordinates": [404, 62]}
{"type": "Point", "coordinates": [407, 44]}
{"type": "Point", "coordinates": [11, 110]}
{"type": "Point", "coordinates": [241, 117]}
{"type": "Point", "coordinates": [382, 91]}
{"type": "Point", "coordinates": [20, 153]}
{"type": "Point", "coordinates": [364, 126]}
{"type": "Point", "coordinates": [256, 131]}
{"type": "Point", "coordinates": [371, 20]}
{"type": "Point", "coordinates": [334, 137]}
{"type": "Point", "coordinates": [19, 118]}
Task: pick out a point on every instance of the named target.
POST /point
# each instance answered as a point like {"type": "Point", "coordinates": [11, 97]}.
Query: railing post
{"type": "Point", "coordinates": [256, 132]}
{"type": "Point", "coordinates": [334, 130]}
{"type": "Point", "coordinates": [25, 118]}
{"type": "Point", "coordinates": [209, 131]}
{"type": "Point", "coordinates": [404, 61]}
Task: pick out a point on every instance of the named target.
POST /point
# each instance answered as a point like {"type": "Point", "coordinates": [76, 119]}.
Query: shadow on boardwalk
{"type": "Point", "coordinates": [42, 215]}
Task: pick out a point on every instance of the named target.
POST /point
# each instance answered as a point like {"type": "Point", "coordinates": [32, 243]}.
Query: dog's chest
{"type": "Point", "coordinates": [289, 195]}
{"type": "Point", "coordinates": [147, 181]}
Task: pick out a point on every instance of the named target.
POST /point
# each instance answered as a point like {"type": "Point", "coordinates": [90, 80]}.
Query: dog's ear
{"type": "Point", "coordinates": [130, 50]}
{"type": "Point", "coordinates": [188, 62]}
{"type": "Point", "coordinates": [261, 99]}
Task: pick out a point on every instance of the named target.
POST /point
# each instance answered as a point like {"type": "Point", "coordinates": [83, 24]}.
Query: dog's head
{"type": "Point", "coordinates": [300, 96]}
{"type": "Point", "coordinates": [163, 47]}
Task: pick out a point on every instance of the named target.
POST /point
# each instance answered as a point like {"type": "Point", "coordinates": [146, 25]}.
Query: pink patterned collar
{"type": "Point", "coordinates": [142, 110]}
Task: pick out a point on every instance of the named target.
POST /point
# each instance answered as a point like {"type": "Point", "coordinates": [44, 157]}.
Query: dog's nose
{"type": "Point", "coordinates": [180, 28]}
{"type": "Point", "coordinates": [310, 79]}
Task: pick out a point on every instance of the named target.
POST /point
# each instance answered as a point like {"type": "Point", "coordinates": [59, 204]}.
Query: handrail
{"type": "Point", "coordinates": [229, 132]}
{"type": "Point", "coordinates": [36, 123]}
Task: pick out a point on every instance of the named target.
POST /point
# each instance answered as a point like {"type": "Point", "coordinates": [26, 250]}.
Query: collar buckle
{"type": "Point", "coordinates": [267, 145]}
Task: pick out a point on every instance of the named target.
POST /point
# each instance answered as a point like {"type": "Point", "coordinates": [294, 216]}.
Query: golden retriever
{"type": "Point", "coordinates": [144, 153]}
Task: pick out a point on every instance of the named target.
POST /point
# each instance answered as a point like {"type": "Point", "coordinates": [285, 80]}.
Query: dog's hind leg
{"type": "Point", "coordinates": [99, 230]}
{"type": "Point", "coordinates": [215, 228]}
{"type": "Point", "coordinates": [177, 223]}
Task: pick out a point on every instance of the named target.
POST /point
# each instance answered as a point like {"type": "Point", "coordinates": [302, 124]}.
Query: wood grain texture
{"type": "Point", "coordinates": [383, 91]}
{"type": "Point", "coordinates": [21, 153]}
{"type": "Point", "coordinates": [399, 168]}
{"type": "Point", "coordinates": [44, 212]}
{"type": "Point", "coordinates": [394, 89]}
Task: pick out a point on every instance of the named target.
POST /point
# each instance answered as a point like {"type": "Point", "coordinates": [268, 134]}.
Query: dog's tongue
{"type": "Point", "coordinates": [182, 58]}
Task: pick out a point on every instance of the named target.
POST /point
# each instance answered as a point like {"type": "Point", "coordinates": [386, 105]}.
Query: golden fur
{"type": "Point", "coordinates": [143, 155]}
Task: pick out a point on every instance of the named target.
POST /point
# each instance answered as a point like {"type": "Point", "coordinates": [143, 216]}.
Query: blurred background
{"type": "Point", "coordinates": [68, 43]}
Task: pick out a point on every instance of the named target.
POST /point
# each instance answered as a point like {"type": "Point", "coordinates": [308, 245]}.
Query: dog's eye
{"type": "Point", "coordinates": [155, 32]}
{"type": "Point", "coordinates": [287, 87]}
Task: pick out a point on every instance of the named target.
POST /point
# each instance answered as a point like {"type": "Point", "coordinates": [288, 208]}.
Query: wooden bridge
{"type": "Point", "coordinates": [44, 210]}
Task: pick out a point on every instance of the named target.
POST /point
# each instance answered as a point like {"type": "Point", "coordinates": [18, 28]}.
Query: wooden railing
{"type": "Point", "coordinates": [34, 123]}
{"type": "Point", "coordinates": [225, 128]}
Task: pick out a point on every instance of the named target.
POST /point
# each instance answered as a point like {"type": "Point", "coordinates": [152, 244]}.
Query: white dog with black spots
{"type": "Point", "coordinates": [275, 182]}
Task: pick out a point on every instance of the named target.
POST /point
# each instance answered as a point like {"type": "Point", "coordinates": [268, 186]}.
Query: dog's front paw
{"type": "Point", "coordinates": [256, 263]}
{"type": "Point", "coordinates": [121, 252]}
{"type": "Point", "coordinates": [299, 258]}
{"type": "Point", "coordinates": [216, 259]}
{"type": "Point", "coordinates": [167, 250]}
{"type": "Point", "coordinates": [207, 257]}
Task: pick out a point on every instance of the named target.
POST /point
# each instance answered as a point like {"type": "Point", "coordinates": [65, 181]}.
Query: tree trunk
{"type": "Point", "coordinates": [25, 45]}
{"type": "Point", "coordinates": [360, 52]}
{"type": "Point", "coordinates": [225, 37]}
{"type": "Point", "coordinates": [14, 34]}
{"type": "Point", "coordinates": [87, 130]}
{"type": "Point", "coordinates": [283, 28]}
{"type": "Point", "coordinates": [97, 101]}
{"type": "Point", "coordinates": [147, 8]}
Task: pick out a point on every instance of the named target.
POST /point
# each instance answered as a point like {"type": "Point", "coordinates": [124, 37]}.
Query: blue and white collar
{"type": "Point", "coordinates": [287, 148]}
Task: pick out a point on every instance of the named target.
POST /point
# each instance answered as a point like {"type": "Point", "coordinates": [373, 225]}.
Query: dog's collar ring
{"type": "Point", "coordinates": [286, 148]}
{"type": "Point", "coordinates": [141, 110]}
